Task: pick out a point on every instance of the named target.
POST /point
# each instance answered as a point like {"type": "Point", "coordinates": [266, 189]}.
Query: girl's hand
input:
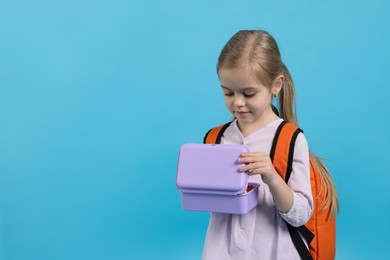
{"type": "Point", "coordinates": [258, 163]}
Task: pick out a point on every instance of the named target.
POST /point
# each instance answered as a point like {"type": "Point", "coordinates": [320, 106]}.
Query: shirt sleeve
{"type": "Point", "coordinates": [299, 183]}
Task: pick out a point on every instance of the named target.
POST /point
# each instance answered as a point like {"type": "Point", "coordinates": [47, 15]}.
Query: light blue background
{"type": "Point", "coordinates": [96, 98]}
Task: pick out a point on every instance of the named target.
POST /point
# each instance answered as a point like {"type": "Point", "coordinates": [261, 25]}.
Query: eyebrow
{"type": "Point", "coordinates": [245, 89]}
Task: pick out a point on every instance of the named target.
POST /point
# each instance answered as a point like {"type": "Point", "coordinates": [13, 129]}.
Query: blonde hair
{"type": "Point", "coordinates": [258, 51]}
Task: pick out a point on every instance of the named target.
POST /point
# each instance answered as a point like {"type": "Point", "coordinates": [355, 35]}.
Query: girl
{"type": "Point", "coordinates": [251, 74]}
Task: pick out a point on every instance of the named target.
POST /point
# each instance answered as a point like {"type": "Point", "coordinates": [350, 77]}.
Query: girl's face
{"type": "Point", "coordinates": [246, 97]}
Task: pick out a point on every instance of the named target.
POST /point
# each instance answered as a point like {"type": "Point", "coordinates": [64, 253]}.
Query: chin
{"type": "Point", "coordinates": [244, 120]}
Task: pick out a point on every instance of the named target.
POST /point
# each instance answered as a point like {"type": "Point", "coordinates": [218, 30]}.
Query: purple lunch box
{"type": "Point", "coordinates": [209, 179]}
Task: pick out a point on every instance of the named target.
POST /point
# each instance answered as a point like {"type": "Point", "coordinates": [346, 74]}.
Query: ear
{"type": "Point", "coordinates": [277, 84]}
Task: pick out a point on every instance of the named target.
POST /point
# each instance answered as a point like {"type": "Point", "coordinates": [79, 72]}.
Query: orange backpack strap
{"type": "Point", "coordinates": [214, 135]}
{"type": "Point", "coordinates": [283, 147]}
{"type": "Point", "coordinates": [282, 155]}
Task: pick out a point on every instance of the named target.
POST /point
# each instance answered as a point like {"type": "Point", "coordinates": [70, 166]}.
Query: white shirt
{"type": "Point", "coordinates": [262, 233]}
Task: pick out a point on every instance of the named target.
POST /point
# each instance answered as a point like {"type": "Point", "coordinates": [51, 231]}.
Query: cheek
{"type": "Point", "coordinates": [227, 104]}
{"type": "Point", "coordinates": [261, 103]}
{"type": "Point", "coordinates": [228, 101]}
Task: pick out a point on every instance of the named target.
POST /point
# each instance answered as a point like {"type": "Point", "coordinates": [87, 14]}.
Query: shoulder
{"type": "Point", "coordinates": [296, 133]}
{"type": "Point", "coordinates": [301, 141]}
{"type": "Point", "coordinates": [301, 148]}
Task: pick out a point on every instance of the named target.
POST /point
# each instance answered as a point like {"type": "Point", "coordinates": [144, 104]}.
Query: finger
{"type": "Point", "coordinates": [252, 159]}
{"type": "Point", "coordinates": [251, 167]}
{"type": "Point", "coordinates": [251, 154]}
{"type": "Point", "coordinates": [255, 170]}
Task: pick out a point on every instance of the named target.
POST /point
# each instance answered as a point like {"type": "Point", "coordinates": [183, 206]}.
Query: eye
{"type": "Point", "coordinates": [249, 94]}
{"type": "Point", "coordinates": [229, 94]}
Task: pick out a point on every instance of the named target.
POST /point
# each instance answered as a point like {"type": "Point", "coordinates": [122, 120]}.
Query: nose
{"type": "Point", "coordinates": [239, 101]}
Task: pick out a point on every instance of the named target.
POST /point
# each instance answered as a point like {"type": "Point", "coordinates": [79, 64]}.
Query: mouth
{"type": "Point", "coordinates": [241, 112]}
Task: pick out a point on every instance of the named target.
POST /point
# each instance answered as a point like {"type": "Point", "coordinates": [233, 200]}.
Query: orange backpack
{"type": "Point", "coordinates": [319, 232]}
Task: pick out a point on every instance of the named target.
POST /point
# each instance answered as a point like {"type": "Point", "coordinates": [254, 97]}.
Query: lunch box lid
{"type": "Point", "coordinates": [211, 168]}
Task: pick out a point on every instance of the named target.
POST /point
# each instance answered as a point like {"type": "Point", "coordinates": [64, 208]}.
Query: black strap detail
{"type": "Point", "coordinates": [220, 134]}
{"type": "Point", "coordinates": [291, 153]}
{"type": "Point", "coordinates": [298, 243]}
{"type": "Point", "coordinates": [219, 137]}
{"type": "Point", "coordinates": [306, 233]}
{"type": "Point", "coordinates": [275, 141]}
{"type": "Point", "coordinates": [205, 137]}
{"type": "Point", "coordinates": [295, 232]}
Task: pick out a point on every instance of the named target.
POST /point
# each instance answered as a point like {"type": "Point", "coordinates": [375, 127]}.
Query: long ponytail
{"type": "Point", "coordinates": [331, 198]}
{"type": "Point", "coordinates": [287, 98]}
{"type": "Point", "coordinates": [287, 111]}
